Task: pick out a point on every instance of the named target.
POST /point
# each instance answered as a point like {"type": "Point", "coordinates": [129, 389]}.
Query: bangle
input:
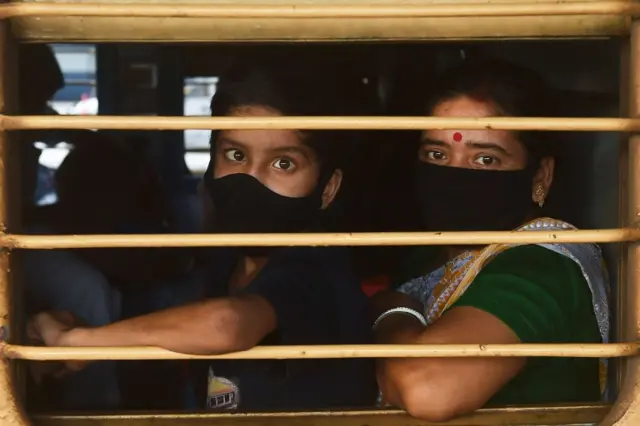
{"type": "Point", "coordinates": [401, 310]}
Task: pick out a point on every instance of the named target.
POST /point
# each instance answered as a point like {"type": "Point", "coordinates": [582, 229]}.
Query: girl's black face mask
{"type": "Point", "coordinates": [242, 204]}
{"type": "Point", "coordinates": [459, 199]}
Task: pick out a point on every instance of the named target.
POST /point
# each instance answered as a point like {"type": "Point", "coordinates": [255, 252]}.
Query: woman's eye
{"type": "Point", "coordinates": [284, 164]}
{"type": "Point", "coordinates": [486, 161]}
{"type": "Point", "coordinates": [234, 155]}
{"type": "Point", "coordinates": [435, 155]}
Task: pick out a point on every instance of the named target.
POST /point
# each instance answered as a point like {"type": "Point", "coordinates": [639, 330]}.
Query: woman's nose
{"type": "Point", "coordinates": [458, 160]}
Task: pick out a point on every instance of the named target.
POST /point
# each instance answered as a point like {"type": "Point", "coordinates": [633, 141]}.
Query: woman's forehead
{"type": "Point", "coordinates": [467, 137]}
{"type": "Point", "coordinates": [465, 106]}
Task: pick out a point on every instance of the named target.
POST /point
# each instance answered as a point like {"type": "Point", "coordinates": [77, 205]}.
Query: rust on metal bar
{"type": "Point", "coordinates": [609, 350]}
{"type": "Point", "coordinates": [319, 123]}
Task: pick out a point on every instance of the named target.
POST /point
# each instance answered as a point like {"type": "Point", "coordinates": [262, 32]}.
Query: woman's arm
{"type": "Point", "coordinates": [437, 389]}
{"type": "Point", "coordinates": [526, 294]}
{"type": "Point", "coordinates": [209, 327]}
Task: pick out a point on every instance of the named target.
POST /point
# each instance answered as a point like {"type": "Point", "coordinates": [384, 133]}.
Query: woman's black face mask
{"type": "Point", "coordinates": [459, 199]}
{"type": "Point", "coordinates": [242, 204]}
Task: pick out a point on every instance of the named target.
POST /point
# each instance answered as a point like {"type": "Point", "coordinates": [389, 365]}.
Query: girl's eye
{"type": "Point", "coordinates": [435, 155]}
{"type": "Point", "coordinates": [234, 155]}
{"type": "Point", "coordinates": [284, 164]}
{"type": "Point", "coordinates": [486, 161]}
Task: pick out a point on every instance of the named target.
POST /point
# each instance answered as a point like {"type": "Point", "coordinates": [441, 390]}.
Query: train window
{"type": "Point", "coordinates": [596, 112]}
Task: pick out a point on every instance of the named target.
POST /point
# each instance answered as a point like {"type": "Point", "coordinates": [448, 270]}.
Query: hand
{"type": "Point", "coordinates": [52, 329]}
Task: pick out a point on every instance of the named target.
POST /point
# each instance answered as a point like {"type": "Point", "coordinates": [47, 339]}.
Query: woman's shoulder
{"type": "Point", "coordinates": [547, 259]}
{"type": "Point", "coordinates": [537, 292]}
{"type": "Point", "coordinates": [534, 262]}
{"type": "Point", "coordinates": [530, 254]}
{"type": "Point", "coordinates": [536, 273]}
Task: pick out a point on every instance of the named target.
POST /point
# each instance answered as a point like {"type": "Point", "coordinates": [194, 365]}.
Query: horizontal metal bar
{"type": "Point", "coordinates": [319, 123]}
{"type": "Point", "coordinates": [13, 241]}
{"type": "Point", "coordinates": [539, 415]}
{"type": "Point", "coordinates": [181, 10]}
{"type": "Point", "coordinates": [61, 29]}
{"type": "Point", "coordinates": [609, 350]}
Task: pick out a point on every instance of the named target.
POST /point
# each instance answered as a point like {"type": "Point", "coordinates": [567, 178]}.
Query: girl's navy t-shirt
{"type": "Point", "coordinates": [318, 301]}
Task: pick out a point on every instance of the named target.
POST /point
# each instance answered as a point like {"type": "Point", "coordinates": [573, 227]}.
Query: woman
{"type": "Point", "coordinates": [492, 180]}
{"type": "Point", "coordinates": [262, 181]}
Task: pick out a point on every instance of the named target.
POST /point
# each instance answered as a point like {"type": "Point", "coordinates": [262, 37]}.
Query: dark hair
{"type": "Point", "coordinates": [293, 88]}
{"type": "Point", "coordinates": [511, 91]}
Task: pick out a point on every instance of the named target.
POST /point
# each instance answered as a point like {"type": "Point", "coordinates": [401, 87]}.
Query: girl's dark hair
{"type": "Point", "coordinates": [510, 89]}
{"type": "Point", "coordinates": [293, 88]}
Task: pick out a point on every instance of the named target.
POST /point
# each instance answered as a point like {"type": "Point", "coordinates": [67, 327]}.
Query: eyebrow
{"type": "Point", "coordinates": [491, 146]}
{"type": "Point", "coordinates": [472, 144]}
{"type": "Point", "coordinates": [232, 142]}
{"type": "Point", "coordinates": [292, 149]}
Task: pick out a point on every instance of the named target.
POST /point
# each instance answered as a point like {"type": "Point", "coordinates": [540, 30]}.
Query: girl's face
{"type": "Point", "coordinates": [277, 158]}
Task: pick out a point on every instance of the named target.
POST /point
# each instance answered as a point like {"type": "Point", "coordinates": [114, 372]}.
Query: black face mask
{"type": "Point", "coordinates": [459, 199]}
{"type": "Point", "coordinates": [242, 204]}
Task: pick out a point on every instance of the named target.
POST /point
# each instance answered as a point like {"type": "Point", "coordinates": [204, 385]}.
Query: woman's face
{"type": "Point", "coordinates": [479, 149]}
{"type": "Point", "coordinates": [277, 158]}
{"type": "Point", "coordinates": [471, 149]}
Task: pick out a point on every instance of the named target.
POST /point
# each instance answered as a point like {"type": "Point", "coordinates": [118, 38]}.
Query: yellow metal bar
{"type": "Point", "coordinates": [298, 10]}
{"type": "Point", "coordinates": [251, 30]}
{"type": "Point", "coordinates": [620, 250]}
{"type": "Point", "coordinates": [319, 239]}
{"type": "Point", "coordinates": [626, 411]}
{"type": "Point", "coordinates": [527, 415]}
{"type": "Point", "coordinates": [10, 412]}
{"type": "Point", "coordinates": [610, 350]}
{"type": "Point", "coordinates": [318, 20]}
{"type": "Point", "coordinates": [319, 123]}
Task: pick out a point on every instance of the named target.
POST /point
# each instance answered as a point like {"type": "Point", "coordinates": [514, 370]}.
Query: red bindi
{"type": "Point", "coordinates": [457, 136]}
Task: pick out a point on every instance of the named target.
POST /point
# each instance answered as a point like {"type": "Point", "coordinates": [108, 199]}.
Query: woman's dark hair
{"type": "Point", "coordinates": [510, 89]}
{"type": "Point", "coordinates": [293, 88]}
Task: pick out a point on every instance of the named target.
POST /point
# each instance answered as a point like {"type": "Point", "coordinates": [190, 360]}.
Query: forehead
{"type": "Point", "coordinates": [261, 139]}
{"type": "Point", "coordinates": [464, 106]}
